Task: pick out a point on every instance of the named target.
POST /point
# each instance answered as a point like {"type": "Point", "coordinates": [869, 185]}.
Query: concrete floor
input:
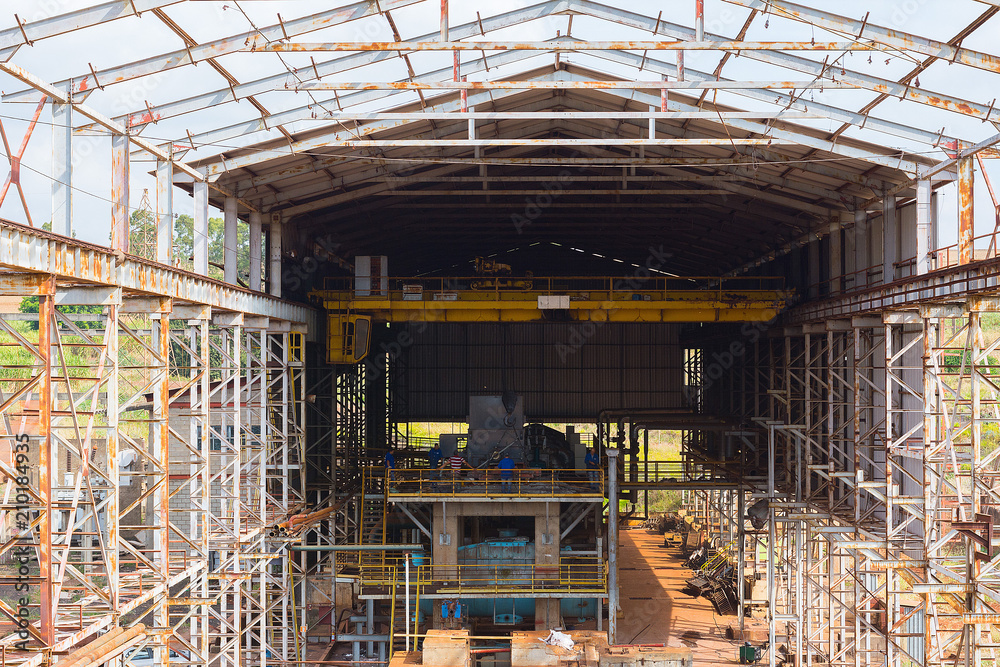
{"type": "Point", "coordinates": [655, 611]}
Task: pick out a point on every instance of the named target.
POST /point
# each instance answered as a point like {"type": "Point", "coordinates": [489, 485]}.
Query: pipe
{"type": "Point", "coordinates": [94, 652]}
{"type": "Point", "coordinates": [355, 547]}
{"type": "Point", "coordinates": [612, 544]}
{"type": "Point", "coordinates": [106, 639]}
{"type": "Point", "coordinates": [481, 651]}
{"type": "Point", "coordinates": [407, 612]}
{"type": "Point", "coordinates": [129, 639]}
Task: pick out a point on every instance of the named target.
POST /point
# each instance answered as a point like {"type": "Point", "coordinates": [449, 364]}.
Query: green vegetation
{"type": "Point", "coordinates": [184, 247]}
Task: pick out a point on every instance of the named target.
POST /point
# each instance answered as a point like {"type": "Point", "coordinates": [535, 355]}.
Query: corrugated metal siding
{"type": "Point", "coordinates": [564, 370]}
{"type": "Point", "coordinates": [915, 626]}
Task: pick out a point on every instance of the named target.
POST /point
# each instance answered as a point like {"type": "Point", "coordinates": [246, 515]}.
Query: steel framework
{"type": "Point", "coordinates": [172, 448]}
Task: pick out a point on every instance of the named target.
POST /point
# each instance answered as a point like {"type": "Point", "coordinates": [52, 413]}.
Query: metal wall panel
{"type": "Point", "coordinates": [564, 370]}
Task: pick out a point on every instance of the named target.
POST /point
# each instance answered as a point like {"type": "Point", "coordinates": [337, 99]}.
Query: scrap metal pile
{"type": "Point", "coordinates": [716, 577]}
{"type": "Point", "coordinates": [716, 581]}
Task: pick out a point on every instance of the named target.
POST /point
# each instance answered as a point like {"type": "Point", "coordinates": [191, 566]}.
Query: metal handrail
{"type": "Point", "coordinates": [514, 578]}
{"type": "Point", "coordinates": [487, 483]}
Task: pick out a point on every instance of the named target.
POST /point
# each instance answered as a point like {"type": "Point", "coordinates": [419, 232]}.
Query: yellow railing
{"type": "Point", "coordinates": [502, 578]}
{"type": "Point", "coordinates": [379, 568]}
{"type": "Point", "coordinates": [579, 578]}
{"type": "Point", "coordinates": [524, 483]}
{"type": "Point", "coordinates": [653, 472]}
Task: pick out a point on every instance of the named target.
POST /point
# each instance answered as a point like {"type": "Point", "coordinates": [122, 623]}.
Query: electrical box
{"type": "Point", "coordinates": [371, 276]}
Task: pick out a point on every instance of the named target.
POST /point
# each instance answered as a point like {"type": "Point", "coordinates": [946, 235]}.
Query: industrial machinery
{"type": "Point", "coordinates": [748, 654]}
{"type": "Point", "coordinates": [497, 275]}
{"type": "Point", "coordinates": [547, 448]}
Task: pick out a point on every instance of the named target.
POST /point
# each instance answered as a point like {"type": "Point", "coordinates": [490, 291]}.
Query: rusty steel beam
{"type": "Point", "coordinates": [160, 63]}
{"type": "Point", "coordinates": [144, 115]}
{"type": "Point", "coordinates": [44, 27]}
{"type": "Point", "coordinates": [216, 166]}
{"type": "Point", "coordinates": [569, 45]}
{"type": "Point", "coordinates": [896, 39]}
{"type": "Point", "coordinates": [796, 63]}
{"type": "Point", "coordinates": [568, 85]}
{"type": "Point", "coordinates": [948, 165]}
{"type": "Point", "coordinates": [567, 115]}
{"type": "Point", "coordinates": [94, 115]}
{"type": "Point", "coordinates": [35, 251]}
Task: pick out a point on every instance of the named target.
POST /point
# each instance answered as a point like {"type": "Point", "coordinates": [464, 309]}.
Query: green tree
{"type": "Point", "coordinates": [184, 247]}
{"type": "Point", "coordinates": [142, 234]}
{"type": "Point", "coordinates": [29, 304]}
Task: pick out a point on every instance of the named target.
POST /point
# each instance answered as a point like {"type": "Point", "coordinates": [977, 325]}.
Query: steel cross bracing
{"type": "Point", "coordinates": [162, 441]}
{"type": "Point", "coordinates": [880, 485]}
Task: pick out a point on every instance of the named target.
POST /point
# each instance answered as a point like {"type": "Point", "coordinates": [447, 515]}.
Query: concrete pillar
{"type": "Point", "coordinates": [966, 219]}
{"type": "Point", "coordinates": [850, 256]}
{"type": "Point", "coordinates": [200, 232]}
{"type": "Point", "coordinates": [547, 558]}
{"type": "Point", "coordinates": [613, 606]}
{"type": "Point", "coordinates": [924, 232]}
{"type": "Point", "coordinates": [255, 251]}
{"type": "Point", "coordinates": [230, 240]}
{"type": "Point", "coordinates": [890, 239]}
{"type": "Point", "coordinates": [119, 192]}
{"type": "Point", "coordinates": [813, 268]}
{"type": "Point", "coordinates": [445, 542]}
{"type": "Point", "coordinates": [862, 259]}
{"type": "Point", "coordinates": [164, 211]}
{"type": "Point", "coordinates": [62, 169]}
{"type": "Point", "coordinates": [274, 266]}
{"type": "Point", "coordinates": [836, 257]}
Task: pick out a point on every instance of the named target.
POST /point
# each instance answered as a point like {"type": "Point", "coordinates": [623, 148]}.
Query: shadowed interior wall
{"type": "Point", "coordinates": [564, 370]}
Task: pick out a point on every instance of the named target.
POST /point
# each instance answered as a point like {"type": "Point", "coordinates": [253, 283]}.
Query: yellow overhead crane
{"type": "Point", "coordinates": [352, 307]}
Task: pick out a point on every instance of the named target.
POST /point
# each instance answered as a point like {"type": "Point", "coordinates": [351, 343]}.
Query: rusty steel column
{"type": "Point", "coordinates": [200, 232]}
{"type": "Point", "coordinates": [699, 20]}
{"type": "Point", "coordinates": [165, 210]}
{"type": "Point", "coordinates": [46, 315]}
{"type": "Point", "coordinates": [255, 251]}
{"type": "Point", "coordinates": [112, 408]}
{"type": "Point", "coordinates": [966, 219]}
{"type": "Point", "coordinates": [119, 192]}
{"type": "Point", "coordinates": [924, 223]}
{"type": "Point", "coordinates": [62, 169]}
{"type": "Point", "coordinates": [160, 451]}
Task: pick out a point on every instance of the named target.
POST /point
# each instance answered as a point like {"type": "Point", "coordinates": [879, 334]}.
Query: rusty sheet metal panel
{"type": "Point", "coordinates": [563, 370]}
{"type": "Point", "coordinates": [36, 251]}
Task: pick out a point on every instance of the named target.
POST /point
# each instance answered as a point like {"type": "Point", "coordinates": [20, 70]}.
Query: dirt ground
{"type": "Point", "coordinates": [651, 577]}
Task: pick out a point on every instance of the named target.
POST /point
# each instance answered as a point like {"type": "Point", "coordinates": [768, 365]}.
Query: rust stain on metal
{"type": "Point", "coordinates": [966, 213]}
